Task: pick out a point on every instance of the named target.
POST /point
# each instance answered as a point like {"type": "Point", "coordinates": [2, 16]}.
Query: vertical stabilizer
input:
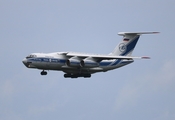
{"type": "Point", "coordinates": [128, 43]}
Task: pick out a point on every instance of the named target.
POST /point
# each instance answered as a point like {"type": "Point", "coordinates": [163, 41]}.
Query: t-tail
{"type": "Point", "coordinates": [127, 45]}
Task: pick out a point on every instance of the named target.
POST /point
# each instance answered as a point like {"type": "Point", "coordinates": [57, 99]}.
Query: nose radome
{"type": "Point", "coordinates": [25, 62]}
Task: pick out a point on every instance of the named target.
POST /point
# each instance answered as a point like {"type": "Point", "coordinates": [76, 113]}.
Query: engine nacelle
{"type": "Point", "coordinates": [89, 63]}
{"type": "Point", "coordinates": [73, 62]}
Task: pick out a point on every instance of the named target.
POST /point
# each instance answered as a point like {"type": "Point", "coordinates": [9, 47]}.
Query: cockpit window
{"type": "Point", "coordinates": [31, 56]}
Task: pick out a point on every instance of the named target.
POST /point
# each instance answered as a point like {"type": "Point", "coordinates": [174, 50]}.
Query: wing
{"type": "Point", "coordinates": [103, 57]}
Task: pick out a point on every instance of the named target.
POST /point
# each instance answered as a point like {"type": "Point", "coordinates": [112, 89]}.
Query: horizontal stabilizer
{"type": "Point", "coordinates": [135, 33]}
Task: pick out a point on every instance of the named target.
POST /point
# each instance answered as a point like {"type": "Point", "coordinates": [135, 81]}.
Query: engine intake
{"type": "Point", "coordinates": [73, 62]}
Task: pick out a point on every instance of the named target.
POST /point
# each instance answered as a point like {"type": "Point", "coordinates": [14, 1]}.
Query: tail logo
{"type": "Point", "coordinates": [122, 47]}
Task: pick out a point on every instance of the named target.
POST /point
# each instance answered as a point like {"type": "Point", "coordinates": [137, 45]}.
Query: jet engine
{"type": "Point", "coordinates": [89, 63]}
{"type": "Point", "coordinates": [73, 62]}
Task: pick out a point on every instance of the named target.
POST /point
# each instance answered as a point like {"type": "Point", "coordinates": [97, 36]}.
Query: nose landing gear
{"type": "Point", "coordinates": [43, 72]}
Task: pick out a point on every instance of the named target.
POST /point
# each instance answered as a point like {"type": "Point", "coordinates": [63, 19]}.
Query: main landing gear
{"type": "Point", "coordinates": [43, 72]}
{"type": "Point", "coordinates": [70, 75]}
{"type": "Point", "coordinates": [77, 75]}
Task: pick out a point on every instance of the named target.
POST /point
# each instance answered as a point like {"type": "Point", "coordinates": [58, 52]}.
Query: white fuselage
{"type": "Point", "coordinates": [57, 61]}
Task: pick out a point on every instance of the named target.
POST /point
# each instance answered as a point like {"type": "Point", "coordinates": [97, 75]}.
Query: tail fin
{"type": "Point", "coordinates": [127, 45]}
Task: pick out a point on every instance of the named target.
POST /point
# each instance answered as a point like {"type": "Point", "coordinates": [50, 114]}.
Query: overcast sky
{"type": "Point", "coordinates": [143, 90]}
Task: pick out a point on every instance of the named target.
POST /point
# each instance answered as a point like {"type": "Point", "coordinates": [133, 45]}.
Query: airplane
{"type": "Point", "coordinates": [75, 64]}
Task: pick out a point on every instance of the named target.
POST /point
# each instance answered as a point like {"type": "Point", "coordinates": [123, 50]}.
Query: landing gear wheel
{"type": "Point", "coordinates": [87, 75]}
{"type": "Point", "coordinates": [67, 75]}
{"type": "Point", "coordinates": [43, 73]}
{"type": "Point", "coordinates": [70, 76]}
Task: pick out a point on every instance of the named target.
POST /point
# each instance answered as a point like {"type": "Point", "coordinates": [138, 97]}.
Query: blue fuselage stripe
{"type": "Point", "coordinates": [63, 61]}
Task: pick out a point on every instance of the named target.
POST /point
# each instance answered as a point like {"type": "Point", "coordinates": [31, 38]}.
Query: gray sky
{"type": "Point", "coordinates": [142, 90]}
